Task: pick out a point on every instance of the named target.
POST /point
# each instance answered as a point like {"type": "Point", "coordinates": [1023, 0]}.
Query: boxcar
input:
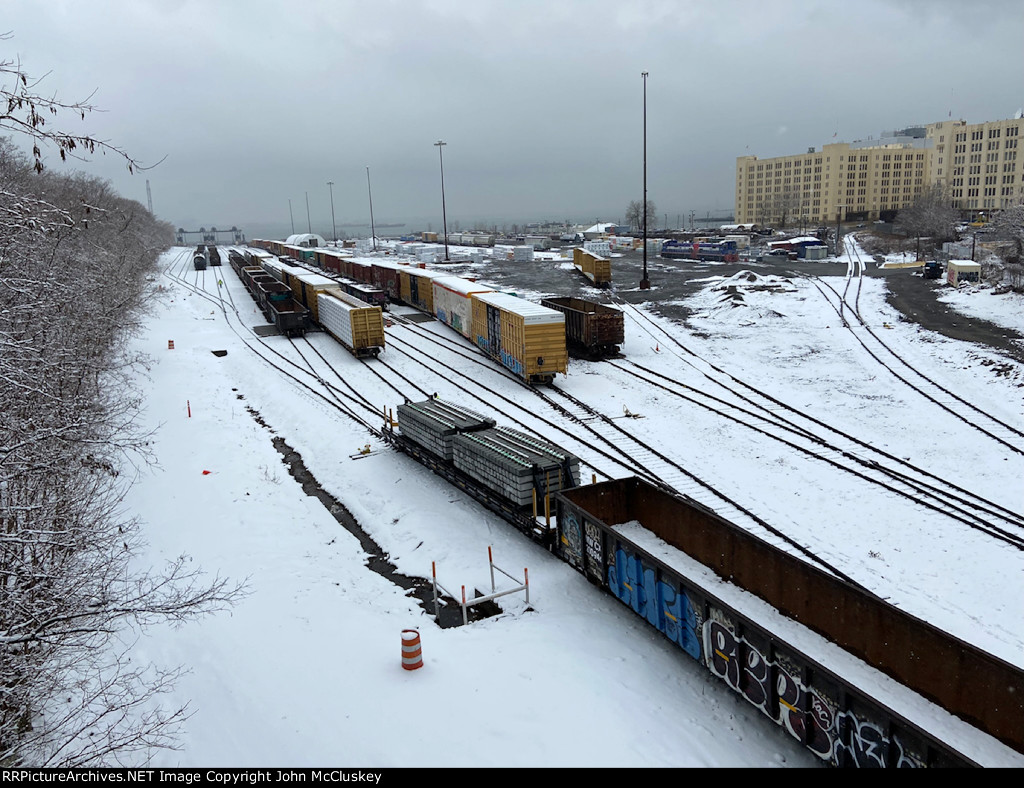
{"type": "Point", "coordinates": [527, 338]}
{"type": "Point", "coordinates": [417, 287]}
{"type": "Point", "coordinates": [594, 267]}
{"type": "Point", "coordinates": [592, 330]}
{"type": "Point", "coordinates": [358, 326]}
{"type": "Point", "coordinates": [452, 302]}
{"type": "Point", "coordinates": [305, 287]}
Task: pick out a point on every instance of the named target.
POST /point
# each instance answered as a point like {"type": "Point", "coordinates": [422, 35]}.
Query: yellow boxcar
{"type": "Point", "coordinates": [527, 338]}
{"type": "Point", "coordinates": [357, 325]}
{"type": "Point", "coordinates": [416, 286]}
{"type": "Point", "coordinates": [596, 268]}
{"type": "Point", "coordinates": [307, 285]}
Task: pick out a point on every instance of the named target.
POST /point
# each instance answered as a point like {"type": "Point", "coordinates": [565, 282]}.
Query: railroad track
{"type": "Point", "coordinates": [960, 408]}
{"type": "Point", "coordinates": [758, 411]}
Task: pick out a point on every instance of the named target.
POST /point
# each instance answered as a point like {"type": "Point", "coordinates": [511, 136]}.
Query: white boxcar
{"type": "Point", "coordinates": [358, 326]}
{"type": "Point", "coordinates": [452, 303]}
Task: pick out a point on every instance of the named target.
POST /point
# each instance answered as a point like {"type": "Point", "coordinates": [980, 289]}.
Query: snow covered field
{"type": "Point", "coordinates": [306, 670]}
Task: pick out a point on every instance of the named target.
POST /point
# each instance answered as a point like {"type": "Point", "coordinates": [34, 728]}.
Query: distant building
{"type": "Point", "coordinates": [876, 178]}
{"type": "Point", "coordinates": [600, 230]}
{"type": "Point", "coordinates": [306, 239]}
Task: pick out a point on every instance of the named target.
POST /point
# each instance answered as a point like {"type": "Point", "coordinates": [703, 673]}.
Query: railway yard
{"type": "Point", "coordinates": [798, 405]}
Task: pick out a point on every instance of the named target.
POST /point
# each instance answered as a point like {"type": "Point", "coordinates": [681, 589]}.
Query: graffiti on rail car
{"type": "Point", "coordinates": [666, 606]}
{"type": "Point", "coordinates": [753, 674]}
{"type": "Point", "coordinates": [864, 744]}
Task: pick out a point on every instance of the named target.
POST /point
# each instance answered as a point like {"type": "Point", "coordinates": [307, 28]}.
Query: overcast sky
{"type": "Point", "coordinates": [252, 103]}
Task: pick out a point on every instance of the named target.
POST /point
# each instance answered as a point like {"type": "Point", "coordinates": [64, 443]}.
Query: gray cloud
{"type": "Point", "coordinates": [256, 103]}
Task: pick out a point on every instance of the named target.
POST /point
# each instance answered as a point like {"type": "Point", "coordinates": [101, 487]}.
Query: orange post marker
{"type": "Point", "coordinates": [412, 653]}
{"type": "Point", "coordinates": [188, 405]}
{"type": "Point", "coordinates": [170, 344]}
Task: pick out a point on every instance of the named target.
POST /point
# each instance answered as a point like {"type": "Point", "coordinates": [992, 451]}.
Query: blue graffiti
{"type": "Point", "coordinates": [661, 604]}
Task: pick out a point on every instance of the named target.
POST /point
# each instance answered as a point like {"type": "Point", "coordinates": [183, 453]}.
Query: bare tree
{"type": "Point", "coordinates": [930, 216]}
{"type": "Point", "coordinates": [26, 111]}
{"type": "Point", "coordinates": [635, 215]}
{"type": "Point", "coordinates": [75, 265]}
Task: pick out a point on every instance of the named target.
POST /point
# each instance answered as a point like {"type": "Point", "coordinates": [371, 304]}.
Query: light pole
{"type": "Point", "coordinates": [444, 217]}
{"type": "Point", "coordinates": [309, 222]}
{"type": "Point", "coordinates": [373, 233]}
{"type": "Point", "coordinates": [291, 215]}
{"type": "Point", "coordinates": [330, 185]}
{"type": "Point", "coordinates": [645, 283]}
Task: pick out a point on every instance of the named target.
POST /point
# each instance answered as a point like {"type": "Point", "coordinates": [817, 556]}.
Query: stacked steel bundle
{"type": "Point", "coordinates": [514, 464]}
{"type": "Point", "coordinates": [434, 423]}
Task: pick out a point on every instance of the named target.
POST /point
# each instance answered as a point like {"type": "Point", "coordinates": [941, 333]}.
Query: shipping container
{"type": "Point", "coordinates": [592, 330]}
{"type": "Point", "coordinates": [452, 302]}
{"type": "Point", "coordinates": [358, 326]}
{"type": "Point", "coordinates": [958, 271]}
{"type": "Point", "coordinates": [527, 338]}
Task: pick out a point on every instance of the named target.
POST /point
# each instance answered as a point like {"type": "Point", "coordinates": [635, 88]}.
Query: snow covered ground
{"type": "Point", "coordinates": [306, 670]}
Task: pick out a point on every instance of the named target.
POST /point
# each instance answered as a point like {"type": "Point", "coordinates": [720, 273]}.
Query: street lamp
{"type": "Point", "coordinates": [645, 283]}
{"type": "Point", "coordinates": [444, 218]}
{"type": "Point", "coordinates": [330, 185]}
{"type": "Point", "coordinates": [309, 222]}
{"type": "Point", "coordinates": [373, 233]}
{"type": "Point", "coordinates": [291, 215]}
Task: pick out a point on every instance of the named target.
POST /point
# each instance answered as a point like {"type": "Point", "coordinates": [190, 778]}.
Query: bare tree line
{"type": "Point", "coordinates": [77, 265]}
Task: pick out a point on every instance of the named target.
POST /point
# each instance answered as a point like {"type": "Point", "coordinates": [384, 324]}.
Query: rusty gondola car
{"type": "Point", "coordinates": [592, 330]}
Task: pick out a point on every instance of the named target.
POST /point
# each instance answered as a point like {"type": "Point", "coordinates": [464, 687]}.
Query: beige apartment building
{"type": "Point", "coordinates": [875, 178]}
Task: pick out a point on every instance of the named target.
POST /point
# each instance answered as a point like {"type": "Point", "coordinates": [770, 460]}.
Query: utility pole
{"type": "Point", "coordinates": [330, 185]}
{"type": "Point", "coordinates": [309, 222]}
{"type": "Point", "coordinates": [444, 217]}
{"type": "Point", "coordinates": [645, 283]}
{"type": "Point", "coordinates": [373, 233]}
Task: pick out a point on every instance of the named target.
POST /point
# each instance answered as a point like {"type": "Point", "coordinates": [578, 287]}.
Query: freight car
{"type": "Point", "coordinates": [597, 269]}
{"type": "Point", "coordinates": [711, 251]}
{"type": "Point", "coordinates": [659, 554]}
{"type": "Point", "coordinates": [509, 472]}
{"type": "Point", "coordinates": [592, 330]}
{"type": "Point", "coordinates": [527, 338]}
{"type": "Point", "coordinates": [214, 255]}
{"type": "Point", "coordinates": [453, 304]}
{"type": "Point", "coordinates": [652, 550]}
{"type": "Point", "coordinates": [290, 317]}
{"type": "Point", "coordinates": [357, 325]}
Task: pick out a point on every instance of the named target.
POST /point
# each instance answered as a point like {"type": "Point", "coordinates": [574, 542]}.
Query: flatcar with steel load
{"type": "Point", "coordinates": [527, 338]}
{"type": "Point", "coordinates": [764, 622]}
{"type": "Point", "coordinates": [592, 330]}
{"type": "Point", "coordinates": [214, 255]}
{"type": "Point", "coordinates": [509, 472]}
